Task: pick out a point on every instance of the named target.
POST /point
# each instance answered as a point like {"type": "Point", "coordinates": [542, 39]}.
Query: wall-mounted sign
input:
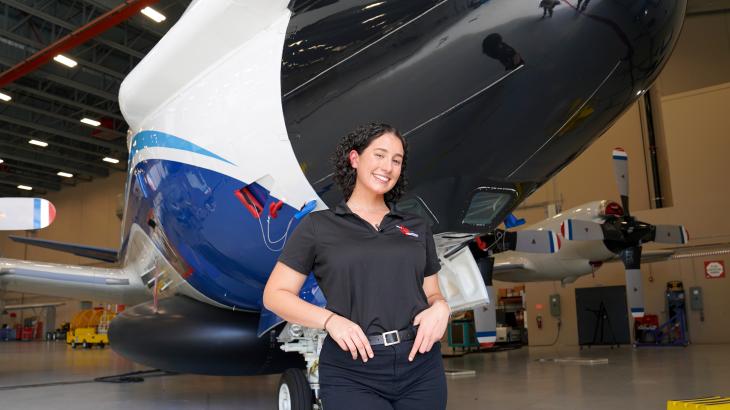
{"type": "Point", "coordinates": [714, 269]}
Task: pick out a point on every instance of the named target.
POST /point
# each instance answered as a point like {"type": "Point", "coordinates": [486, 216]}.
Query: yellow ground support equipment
{"type": "Point", "coordinates": [704, 403]}
{"type": "Point", "coordinates": [90, 327]}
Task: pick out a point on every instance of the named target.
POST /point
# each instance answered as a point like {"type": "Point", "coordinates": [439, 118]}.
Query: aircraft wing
{"type": "Point", "coordinates": [72, 281]}
{"type": "Point", "coordinates": [683, 252]}
{"type": "Point", "coordinates": [510, 267]}
{"type": "Point", "coordinates": [701, 250]}
{"type": "Point", "coordinates": [33, 305]}
{"type": "Point", "coordinates": [93, 252]}
{"type": "Point", "coordinates": [650, 255]}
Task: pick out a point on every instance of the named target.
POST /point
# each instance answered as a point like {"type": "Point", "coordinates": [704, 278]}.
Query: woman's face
{"type": "Point", "coordinates": [379, 165]}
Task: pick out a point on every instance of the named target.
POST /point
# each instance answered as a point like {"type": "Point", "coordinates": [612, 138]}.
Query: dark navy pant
{"type": "Point", "coordinates": [388, 381]}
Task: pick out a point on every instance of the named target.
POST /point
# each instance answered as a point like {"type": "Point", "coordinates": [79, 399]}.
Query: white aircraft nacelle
{"type": "Point", "coordinates": [571, 261]}
{"type": "Point", "coordinates": [591, 250]}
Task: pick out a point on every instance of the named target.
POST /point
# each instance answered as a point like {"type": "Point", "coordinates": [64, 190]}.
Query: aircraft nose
{"type": "Point", "coordinates": [507, 91]}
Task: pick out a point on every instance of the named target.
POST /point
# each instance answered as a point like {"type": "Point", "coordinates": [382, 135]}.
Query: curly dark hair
{"type": "Point", "coordinates": [359, 139]}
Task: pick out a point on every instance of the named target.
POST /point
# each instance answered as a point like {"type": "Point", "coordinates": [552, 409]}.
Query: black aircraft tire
{"type": "Point", "coordinates": [294, 392]}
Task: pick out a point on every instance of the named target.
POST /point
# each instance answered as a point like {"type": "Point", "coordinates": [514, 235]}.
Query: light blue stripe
{"type": "Point", "coordinates": [552, 245]}
{"type": "Point", "coordinates": [36, 213]}
{"type": "Point", "coordinates": [487, 334]}
{"type": "Point", "coordinates": [158, 139]}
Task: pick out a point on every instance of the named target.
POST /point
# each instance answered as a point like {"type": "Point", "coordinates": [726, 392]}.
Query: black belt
{"type": "Point", "coordinates": [393, 337]}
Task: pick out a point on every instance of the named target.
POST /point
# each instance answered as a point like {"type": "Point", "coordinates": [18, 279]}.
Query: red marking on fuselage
{"type": "Point", "coordinates": [481, 244]}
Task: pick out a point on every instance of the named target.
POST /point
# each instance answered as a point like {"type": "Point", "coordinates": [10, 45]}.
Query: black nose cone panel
{"type": "Point", "coordinates": [488, 92]}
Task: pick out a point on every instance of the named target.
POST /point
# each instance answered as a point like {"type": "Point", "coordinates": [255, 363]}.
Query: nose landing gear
{"type": "Point", "coordinates": [294, 391]}
{"type": "Point", "coordinates": [299, 389]}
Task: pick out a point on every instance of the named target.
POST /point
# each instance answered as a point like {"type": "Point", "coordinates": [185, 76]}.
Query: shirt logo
{"type": "Point", "coordinates": [406, 231]}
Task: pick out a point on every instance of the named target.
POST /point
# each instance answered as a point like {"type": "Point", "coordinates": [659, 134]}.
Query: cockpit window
{"type": "Point", "coordinates": [485, 206]}
{"type": "Point", "coordinates": [416, 206]}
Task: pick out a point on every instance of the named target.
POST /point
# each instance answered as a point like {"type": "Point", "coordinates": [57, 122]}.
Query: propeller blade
{"type": "Point", "coordinates": [580, 230]}
{"type": "Point", "coordinates": [621, 170]}
{"type": "Point", "coordinates": [631, 257]}
{"type": "Point", "coordinates": [670, 234]}
{"type": "Point", "coordinates": [485, 320]}
{"type": "Point", "coordinates": [533, 241]}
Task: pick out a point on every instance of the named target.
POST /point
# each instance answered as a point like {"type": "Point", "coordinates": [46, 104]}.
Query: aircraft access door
{"type": "Point", "coordinates": [460, 279]}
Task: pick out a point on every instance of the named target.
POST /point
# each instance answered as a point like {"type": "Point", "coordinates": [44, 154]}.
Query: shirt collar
{"type": "Point", "coordinates": [343, 209]}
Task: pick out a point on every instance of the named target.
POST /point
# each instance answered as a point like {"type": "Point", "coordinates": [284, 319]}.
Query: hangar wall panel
{"type": "Point", "coordinates": [701, 57]}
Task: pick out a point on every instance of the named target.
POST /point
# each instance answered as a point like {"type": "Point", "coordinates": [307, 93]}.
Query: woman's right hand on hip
{"type": "Point", "coordinates": [350, 337]}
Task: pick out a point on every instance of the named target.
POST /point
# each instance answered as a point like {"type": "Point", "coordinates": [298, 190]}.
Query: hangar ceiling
{"type": "Point", "coordinates": [48, 103]}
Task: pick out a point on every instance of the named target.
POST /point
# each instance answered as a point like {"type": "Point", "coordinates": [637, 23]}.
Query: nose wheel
{"type": "Point", "coordinates": [294, 391]}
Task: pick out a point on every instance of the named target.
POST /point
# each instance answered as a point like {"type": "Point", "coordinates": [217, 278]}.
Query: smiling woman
{"type": "Point", "coordinates": [355, 143]}
{"type": "Point", "coordinates": [377, 268]}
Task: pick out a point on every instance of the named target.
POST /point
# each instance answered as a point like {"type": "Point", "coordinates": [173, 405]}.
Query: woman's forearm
{"type": "Point", "coordinates": [435, 298]}
{"type": "Point", "coordinates": [292, 308]}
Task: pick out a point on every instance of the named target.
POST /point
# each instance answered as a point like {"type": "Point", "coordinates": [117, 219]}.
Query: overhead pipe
{"type": "Point", "coordinates": [79, 36]}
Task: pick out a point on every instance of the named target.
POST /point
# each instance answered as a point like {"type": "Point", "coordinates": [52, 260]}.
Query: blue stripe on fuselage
{"type": "Point", "coordinates": [153, 139]}
{"type": "Point", "coordinates": [36, 213]}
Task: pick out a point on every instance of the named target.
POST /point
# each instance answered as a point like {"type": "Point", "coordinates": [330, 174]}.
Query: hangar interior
{"type": "Point", "coordinates": [690, 98]}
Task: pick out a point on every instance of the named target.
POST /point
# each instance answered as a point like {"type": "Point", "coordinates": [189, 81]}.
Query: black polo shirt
{"type": "Point", "coordinates": [372, 277]}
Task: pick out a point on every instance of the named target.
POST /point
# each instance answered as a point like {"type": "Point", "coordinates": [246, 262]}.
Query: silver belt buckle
{"type": "Point", "coordinates": [385, 338]}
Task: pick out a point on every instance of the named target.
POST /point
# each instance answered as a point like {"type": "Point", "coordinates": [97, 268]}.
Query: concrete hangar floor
{"type": "Point", "coordinates": [50, 375]}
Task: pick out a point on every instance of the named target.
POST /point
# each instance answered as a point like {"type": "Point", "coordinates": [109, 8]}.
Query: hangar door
{"type": "Point", "coordinates": [603, 317]}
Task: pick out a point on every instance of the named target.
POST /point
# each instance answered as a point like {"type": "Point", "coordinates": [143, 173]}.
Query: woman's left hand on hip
{"type": "Point", "coordinates": [431, 324]}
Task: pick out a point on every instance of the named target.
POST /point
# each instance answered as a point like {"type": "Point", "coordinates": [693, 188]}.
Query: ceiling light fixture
{"type": "Point", "coordinates": [65, 61]}
{"type": "Point", "coordinates": [153, 14]}
{"type": "Point", "coordinates": [38, 143]}
{"type": "Point", "coordinates": [5, 97]}
{"type": "Point", "coordinates": [25, 187]}
{"type": "Point", "coordinates": [89, 121]}
{"type": "Point", "coordinates": [112, 160]}
{"type": "Point", "coordinates": [65, 174]}
{"type": "Point", "coordinates": [1, 161]}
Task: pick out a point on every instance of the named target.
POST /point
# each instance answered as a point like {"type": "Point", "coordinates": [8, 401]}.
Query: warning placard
{"type": "Point", "coordinates": [714, 269]}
